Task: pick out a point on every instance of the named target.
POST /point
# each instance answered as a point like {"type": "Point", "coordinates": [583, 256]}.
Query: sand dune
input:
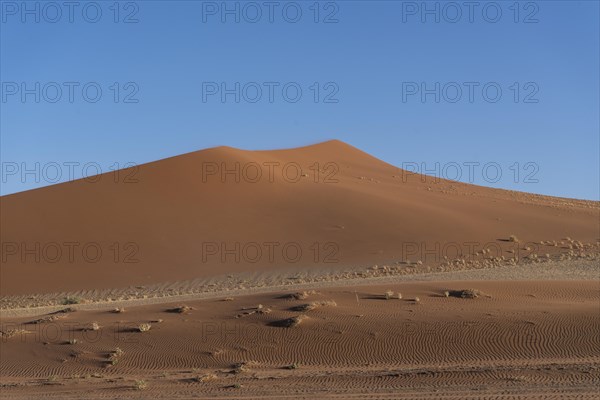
{"type": "Point", "coordinates": [328, 204]}
{"type": "Point", "coordinates": [303, 273]}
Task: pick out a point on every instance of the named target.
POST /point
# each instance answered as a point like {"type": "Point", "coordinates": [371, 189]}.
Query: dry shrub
{"type": "Point", "coordinates": [290, 322]}
{"type": "Point", "coordinates": [114, 357]}
{"type": "Point", "coordinates": [466, 293]}
{"type": "Point", "coordinates": [140, 384]}
{"type": "Point", "coordinates": [71, 300]}
{"type": "Point", "coordinates": [53, 316]}
{"type": "Point", "coordinates": [93, 327]}
{"type": "Point", "coordinates": [240, 367]}
{"type": "Point", "coordinates": [314, 305]}
{"type": "Point", "coordinates": [180, 309]}
{"type": "Point", "coordinates": [302, 295]}
{"type": "Point", "coordinates": [205, 378]}
{"type": "Point", "coordinates": [260, 309]}
{"type": "Point", "coordinates": [12, 332]}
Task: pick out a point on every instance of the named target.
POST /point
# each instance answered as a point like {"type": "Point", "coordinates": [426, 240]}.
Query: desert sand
{"type": "Point", "coordinates": [517, 339]}
{"type": "Point", "coordinates": [395, 285]}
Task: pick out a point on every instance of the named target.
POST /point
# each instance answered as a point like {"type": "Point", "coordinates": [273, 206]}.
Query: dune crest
{"type": "Point", "coordinates": [224, 210]}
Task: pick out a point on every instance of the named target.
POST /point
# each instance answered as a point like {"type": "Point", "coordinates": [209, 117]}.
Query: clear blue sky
{"type": "Point", "coordinates": [361, 53]}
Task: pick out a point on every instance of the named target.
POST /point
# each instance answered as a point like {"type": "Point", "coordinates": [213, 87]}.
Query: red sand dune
{"type": "Point", "coordinates": [179, 219]}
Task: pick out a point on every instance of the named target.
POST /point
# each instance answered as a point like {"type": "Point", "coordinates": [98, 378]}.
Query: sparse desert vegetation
{"type": "Point", "coordinates": [466, 293]}
{"type": "Point", "coordinates": [180, 309]}
{"type": "Point", "coordinates": [8, 333]}
{"type": "Point", "coordinates": [331, 325]}
{"type": "Point", "coordinates": [114, 356]}
{"type": "Point", "coordinates": [144, 327]}
{"type": "Point", "coordinates": [241, 367]}
{"type": "Point", "coordinates": [259, 309]}
{"type": "Point", "coordinates": [314, 305]}
{"type": "Point", "coordinates": [94, 326]}
{"type": "Point", "coordinates": [71, 300]}
{"type": "Point", "coordinates": [205, 378]}
{"type": "Point", "coordinates": [302, 295]}
{"type": "Point", "coordinates": [291, 322]}
{"type": "Point", "coordinates": [389, 295]}
{"type": "Point", "coordinates": [140, 384]}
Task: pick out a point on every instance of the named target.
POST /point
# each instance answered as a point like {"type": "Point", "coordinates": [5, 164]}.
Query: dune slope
{"type": "Point", "coordinates": [224, 210]}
